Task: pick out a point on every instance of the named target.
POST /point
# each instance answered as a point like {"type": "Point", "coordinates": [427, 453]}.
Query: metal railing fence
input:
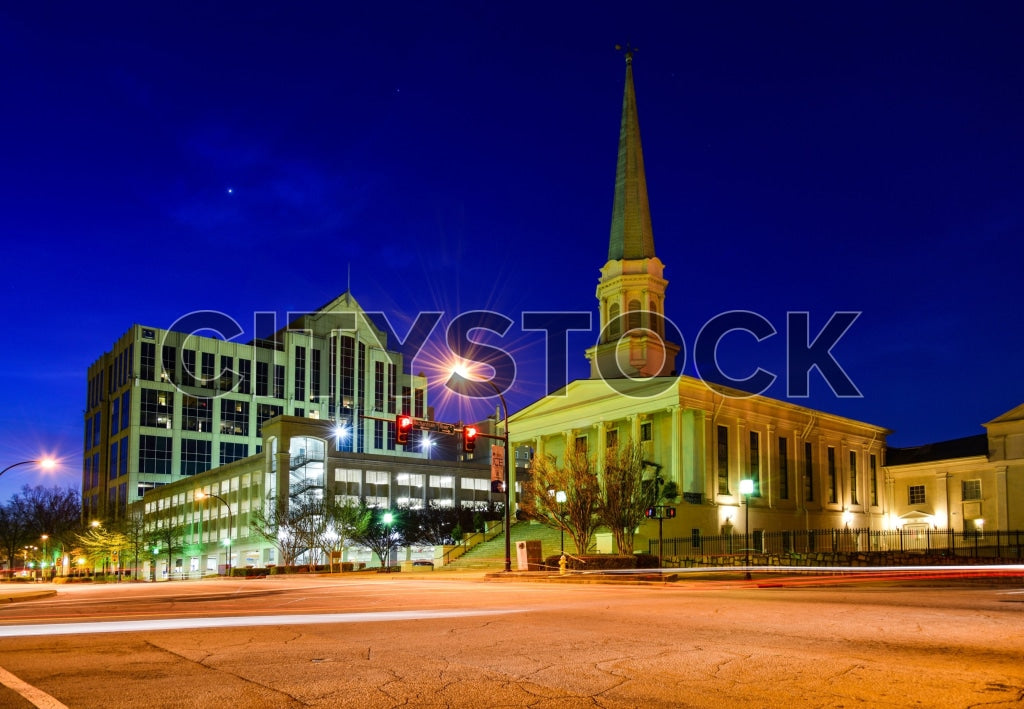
{"type": "Point", "coordinates": [997, 544]}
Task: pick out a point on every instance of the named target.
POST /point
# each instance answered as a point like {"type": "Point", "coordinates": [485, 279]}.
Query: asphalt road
{"type": "Point", "coordinates": [438, 640]}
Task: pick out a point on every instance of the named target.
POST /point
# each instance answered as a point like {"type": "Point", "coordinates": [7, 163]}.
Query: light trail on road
{"type": "Point", "coordinates": [18, 631]}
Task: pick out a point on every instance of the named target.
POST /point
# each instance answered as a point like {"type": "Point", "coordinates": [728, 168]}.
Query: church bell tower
{"type": "Point", "coordinates": [631, 290]}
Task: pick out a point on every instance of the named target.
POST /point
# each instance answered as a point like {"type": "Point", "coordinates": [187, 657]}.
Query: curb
{"type": "Point", "coordinates": [25, 596]}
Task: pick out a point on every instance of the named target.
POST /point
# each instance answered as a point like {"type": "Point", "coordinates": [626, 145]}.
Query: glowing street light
{"type": "Point", "coordinates": [44, 463]}
{"type": "Point", "coordinates": [201, 495]}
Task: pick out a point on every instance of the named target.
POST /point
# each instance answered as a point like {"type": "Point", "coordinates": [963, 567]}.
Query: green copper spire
{"type": "Point", "coordinates": [631, 235]}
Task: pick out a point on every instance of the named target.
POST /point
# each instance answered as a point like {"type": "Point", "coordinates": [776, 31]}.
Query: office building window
{"type": "Point", "coordinates": [262, 378]}
{"type": "Point", "coordinates": [156, 408]}
{"type": "Point", "coordinates": [122, 468]}
{"type": "Point", "coordinates": [196, 414]}
{"type": "Point", "coordinates": [195, 456]}
{"type": "Point", "coordinates": [234, 417]}
{"type": "Point", "coordinates": [115, 416]}
{"type": "Point", "coordinates": [208, 359]}
{"type": "Point", "coordinates": [188, 368]}
{"type": "Point", "coordinates": [265, 412]}
{"type": "Point", "coordinates": [147, 361]}
{"type": "Point", "coordinates": [112, 463]}
{"type": "Point", "coordinates": [314, 376]}
{"type": "Point", "coordinates": [300, 373]}
{"type": "Point", "coordinates": [378, 387]}
{"type": "Point", "coordinates": [230, 452]}
{"type": "Point", "coordinates": [126, 410]}
{"type": "Point", "coordinates": [168, 361]}
{"type": "Point", "coordinates": [915, 494]}
{"type": "Point", "coordinates": [227, 375]}
{"type": "Point", "coordinates": [278, 381]}
{"type": "Point", "coordinates": [418, 405]}
{"type": "Point", "coordinates": [244, 376]}
{"type": "Point", "coordinates": [155, 454]}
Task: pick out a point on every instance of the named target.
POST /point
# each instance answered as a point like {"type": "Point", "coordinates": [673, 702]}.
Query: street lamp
{"type": "Point", "coordinates": [428, 445]}
{"type": "Point", "coordinates": [746, 489]}
{"type": "Point", "coordinates": [387, 518]}
{"type": "Point", "coordinates": [44, 463]}
{"type": "Point", "coordinates": [201, 495]}
{"type": "Point", "coordinates": [508, 493]}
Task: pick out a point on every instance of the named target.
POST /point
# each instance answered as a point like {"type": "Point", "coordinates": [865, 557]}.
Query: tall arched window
{"type": "Point", "coordinates": [633, 318]}
{"type": "Point", "coordinates": [614, 326]}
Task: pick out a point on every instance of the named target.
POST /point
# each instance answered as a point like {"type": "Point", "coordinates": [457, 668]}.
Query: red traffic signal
{"type": "Point", "coordinates": [403, 424]}
{"type": "Point", "coordinates": [497, 486]}
{"type": "Point", "coordinates": [670, 512]}
{"type": "Point", "coordinates": [469, 439]}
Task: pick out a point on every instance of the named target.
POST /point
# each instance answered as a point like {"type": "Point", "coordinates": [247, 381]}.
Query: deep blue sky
{"type": "Point", "coordinates": [162, 158]}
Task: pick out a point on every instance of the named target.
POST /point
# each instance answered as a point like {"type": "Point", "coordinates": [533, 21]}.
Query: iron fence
{"type": "Point", "coordinates": [998, 544]}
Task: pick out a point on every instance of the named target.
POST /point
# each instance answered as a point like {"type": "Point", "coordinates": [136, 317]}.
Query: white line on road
{"type": "Point", "coordinates": [37, 696]}
{"type": "Point", "coordinates": [22, 631]}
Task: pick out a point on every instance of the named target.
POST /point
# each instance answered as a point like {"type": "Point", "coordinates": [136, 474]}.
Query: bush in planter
{"type": "Point", "coordinates": [646, 561]}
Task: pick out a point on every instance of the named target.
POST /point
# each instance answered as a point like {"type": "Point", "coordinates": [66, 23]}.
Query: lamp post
{"type": "Point", "coordinates": [388, 519]}
{"type": "Point", "coordinates": [45, 539]}
{"type": "Point", "coordinates": [200, 495]}
{"type": "Point", "coordinates": [508, 494]}
{"type": "Point", "coordinates": [44, 463]}
{"type": "Point", "coordinates": [508, 523]}
{"type": "Point", "coordinates": [746, 489]}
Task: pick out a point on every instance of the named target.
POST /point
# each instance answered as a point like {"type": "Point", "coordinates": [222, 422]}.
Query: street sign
{"type": "Point", "coordinates": [498, 462]}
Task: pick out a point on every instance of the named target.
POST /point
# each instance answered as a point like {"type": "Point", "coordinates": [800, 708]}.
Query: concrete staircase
{"type": "Point", "coordinates": [490, 555]}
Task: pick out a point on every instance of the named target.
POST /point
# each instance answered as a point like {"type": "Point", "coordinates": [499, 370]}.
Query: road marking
{"type": "Point", "coordinates": [24, 631]}
{"type": "Point", "coordinates": [37, 696]}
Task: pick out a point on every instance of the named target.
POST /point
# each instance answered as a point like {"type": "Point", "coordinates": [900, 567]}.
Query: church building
{"type": "Point", "coordinates": [810, 469]}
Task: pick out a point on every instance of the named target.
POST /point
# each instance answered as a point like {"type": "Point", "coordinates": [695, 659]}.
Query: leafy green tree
{"type": "Point", "coordinates": [103, 545]}
{"type": "Point", "coordinates": [382, 534]}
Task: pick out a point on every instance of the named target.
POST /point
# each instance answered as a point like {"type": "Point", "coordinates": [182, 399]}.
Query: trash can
{"type": "Point", "coordinates": [528, 555]}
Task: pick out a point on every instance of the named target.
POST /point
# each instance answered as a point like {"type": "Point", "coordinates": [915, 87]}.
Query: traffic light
{"type": "Point", "coordinates": [651, 512]}
{"type": "Point", "coordinates": [497, 486]}
{"type": "Point", "coordinates": [403, 424]}
{"type": "Point", "coordinates": [670, 512]}
{"type": "Point", "coordinates": [469, 439]}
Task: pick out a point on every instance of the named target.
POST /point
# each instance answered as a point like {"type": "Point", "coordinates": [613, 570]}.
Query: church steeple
{"type": "Point", "coordinates": [631, 290]}
{"type": "Point", "coordinates": [631, 235]}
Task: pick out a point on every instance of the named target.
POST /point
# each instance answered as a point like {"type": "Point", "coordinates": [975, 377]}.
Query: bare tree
{"type": "Point", "coordinates": [625, 495]}
{"type": "Point", "coordinates": [578, 480]}
{"type": "Point", "coordinates": [343, 523]}
{"type": "Point", "coordinates": [282, 526]}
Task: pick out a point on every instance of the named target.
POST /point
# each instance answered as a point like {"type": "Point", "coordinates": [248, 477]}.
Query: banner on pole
{"type": "Point", "coordinates": [498, 463]}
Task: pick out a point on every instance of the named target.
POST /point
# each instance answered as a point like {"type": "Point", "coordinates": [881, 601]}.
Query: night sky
{"type": "Point", "coordinates": [159, 158]}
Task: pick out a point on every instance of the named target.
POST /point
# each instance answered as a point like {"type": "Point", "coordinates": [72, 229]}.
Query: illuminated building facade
{"type": "Point", "coordinates": [164, 405]}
